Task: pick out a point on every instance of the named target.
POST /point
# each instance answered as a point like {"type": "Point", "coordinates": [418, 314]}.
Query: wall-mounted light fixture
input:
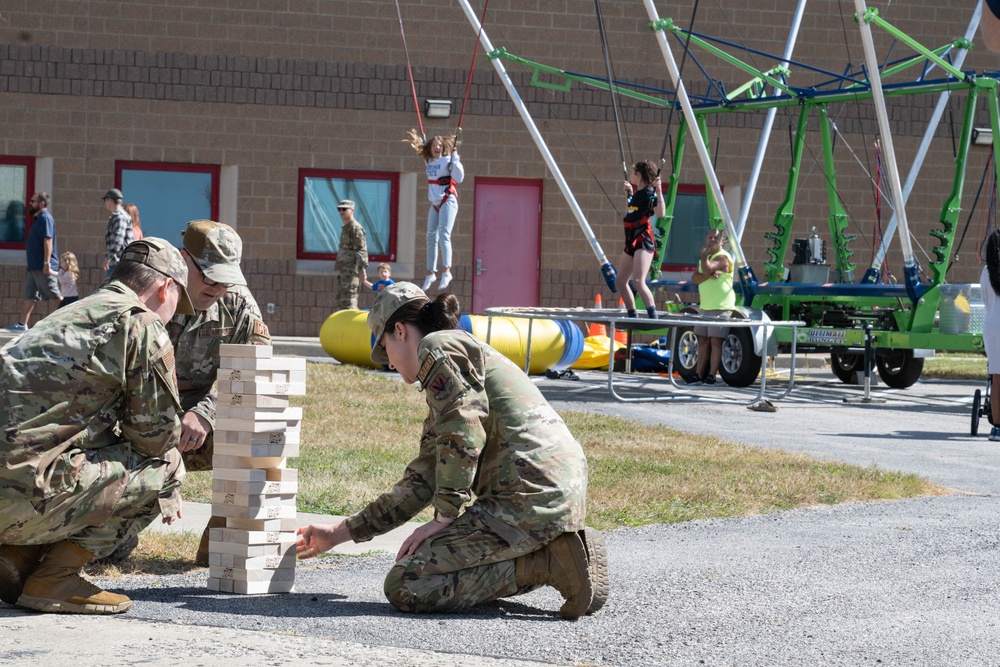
{"type": "Point", "coordinates": [437, 108]}
{"type": "Point", "coordinates": [982, 136]}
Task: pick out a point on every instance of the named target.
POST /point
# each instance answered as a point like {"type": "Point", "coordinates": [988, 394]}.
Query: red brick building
{"type": "Point", "coordinates": [257, 114]}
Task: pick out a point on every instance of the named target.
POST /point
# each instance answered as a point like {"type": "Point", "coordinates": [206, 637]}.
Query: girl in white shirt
{"type": "Point", "coordinates": [69, 274]}
{"type": "Point", "coordinates": [444, 171]}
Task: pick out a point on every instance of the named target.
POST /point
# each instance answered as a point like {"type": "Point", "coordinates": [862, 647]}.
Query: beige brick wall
{"type": "Point", "coordinates": [287, 85]}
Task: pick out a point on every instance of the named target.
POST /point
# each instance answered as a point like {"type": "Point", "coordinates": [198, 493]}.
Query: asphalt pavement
{"type": "Point", "coordinates": [909, 582]}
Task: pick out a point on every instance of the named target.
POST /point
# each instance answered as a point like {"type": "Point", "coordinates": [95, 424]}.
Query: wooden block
{"type": "Point", "coordinates": [262, 587]}
{"type": "Point", "coordinates": [241, 475]}
{"type": "Point", "coordinates": [253, 488]}
{"type": "Point", "coordinates": [285, 560]}
{"type": "Point", "coordinates": [252, 400]}
{"type": "Point", "coordinates": [221, 585]}
{"type": "Point", "coordinates": [250, 550]}
{"type": "Point", "coordinates": [248, 438]}
{"type": "Point", "coordinates": [267, 500]}
{"type": "Point", "coordinates": [259, 462]}
{"type": "Point", "coordinates": [236, 512]}
{"type": "Point", "coordinates": [266, 525]}
{"type": "Point", "coordinates": [238, 536]}
{"type": "Point", "coordinates": [270, 388]}
{"type": "Point", "coordinates": [257, 574]}
{"type": "Point", "coordinates": [282, 474]}
{"type": "Point", "coordinates": [256, 451]}
{"type": "Point", "coordinates": [258, 414]}
{"type": "Point", "coordinates": [257, 426]}
{"type": "Point", "coordinates": [253, 351]}
{"type": "Point", "coordinates": [273, 364]}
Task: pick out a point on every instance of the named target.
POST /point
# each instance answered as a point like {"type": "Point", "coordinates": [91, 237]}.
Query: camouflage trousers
{"type": "Point", "coordinates": [115, 497]}
{"type": "Point", "coordinates": [201, 458]}
{"type": "Point", "coordinates": [347, 292]}
{"type": "Point", "coordinates": [465, 564]}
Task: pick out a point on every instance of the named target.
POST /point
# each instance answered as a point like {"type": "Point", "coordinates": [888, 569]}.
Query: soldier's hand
{"type": "Point", "coordinates": [194, 430]}
{"type": "Point", "coordinates": [418, 536]}
{"type": "Point", "coordinates": [169, 520]}
{"type": "Point", "coordinates": [314, 539]}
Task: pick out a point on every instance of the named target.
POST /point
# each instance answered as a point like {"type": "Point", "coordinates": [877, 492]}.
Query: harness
{"type": "Point", "coordinates": [451, 190]}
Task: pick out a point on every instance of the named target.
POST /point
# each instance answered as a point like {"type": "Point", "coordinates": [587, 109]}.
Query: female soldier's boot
{"type": "Point", "coordinates": [56, 585]}
{"type": "Point", "coordinates": [16, 563]}
{"type": "Point", "coordinates": [597, 560]}
{"type": "Point", "coordinates": [562, 564]}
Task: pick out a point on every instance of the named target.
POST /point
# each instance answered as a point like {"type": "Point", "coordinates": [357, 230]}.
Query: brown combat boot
{"type": "Point", "coordinates": [16, 563]}
{"type": "Point", "coordinates": [562, 564]}
{"type": "Point", "coordinates": [201, 558]}
{"type": "Point", "coordinates": [56, 585]}
{"type": "Point", "coordinates": [597, 564]}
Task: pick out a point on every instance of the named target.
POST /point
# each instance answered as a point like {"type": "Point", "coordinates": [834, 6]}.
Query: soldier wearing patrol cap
{"type": "Point", "coordinates": [226, 313]}
{"type": "Point", "coordinates": [352, 257]}
{"type": "Point", "coordinates": [90, 417]}
{"type": "Point", "coordinates": [506, 478]}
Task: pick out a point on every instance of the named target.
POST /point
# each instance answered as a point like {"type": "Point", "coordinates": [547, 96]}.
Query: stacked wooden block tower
{"type": "Point", "coordinates": [255, 431]}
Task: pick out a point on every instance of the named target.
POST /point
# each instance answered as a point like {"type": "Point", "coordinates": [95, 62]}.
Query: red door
{"type": "Point", "coordinates": [506, 242]}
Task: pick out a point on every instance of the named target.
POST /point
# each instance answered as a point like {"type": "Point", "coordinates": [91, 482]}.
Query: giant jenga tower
{"type": "Point", "coordinates": [255, 432]}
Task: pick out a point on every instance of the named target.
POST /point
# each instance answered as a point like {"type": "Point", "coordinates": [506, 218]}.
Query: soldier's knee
{"type": "Point", "coordinates": [396, 591]}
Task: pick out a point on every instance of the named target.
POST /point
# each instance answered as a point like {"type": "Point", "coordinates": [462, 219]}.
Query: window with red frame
{"type": "Point", "coordinates": [17, 184]}
{"type": "Point", "coordinates": [376, 199]}
{"type": "Point", "coordinates": [169, 194]}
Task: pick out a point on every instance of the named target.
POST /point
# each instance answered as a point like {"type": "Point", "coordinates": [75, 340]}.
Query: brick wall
{"type": "Point", "coordinates": [283, 86]}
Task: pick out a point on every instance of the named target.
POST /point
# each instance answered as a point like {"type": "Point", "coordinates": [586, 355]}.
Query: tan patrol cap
{"type": "Point", "coordinates": [217, 249]}
{"type": "Point", "coordinates": [160, 256]}
{"type": "Point", "coordinates": [387, 302]}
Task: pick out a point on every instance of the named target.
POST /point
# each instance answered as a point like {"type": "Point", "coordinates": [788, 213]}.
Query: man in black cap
{"type": "Point", "coordinates": [119, 232]}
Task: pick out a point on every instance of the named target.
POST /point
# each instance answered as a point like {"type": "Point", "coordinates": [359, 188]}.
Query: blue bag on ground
{"type": "Point", "coordinates": [645, 359]}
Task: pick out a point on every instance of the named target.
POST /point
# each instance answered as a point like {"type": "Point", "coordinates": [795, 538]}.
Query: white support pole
{"type": "Point", "coordinates": [533, 130]}
{"type": "Point", "coordinates": [699, 144]}
{"type": "Point", "coordinates": [765, 136]}
{"type": "Point", "coordinates": [925, 144]}
{"type": "Point", "coordinates": [889, 152]}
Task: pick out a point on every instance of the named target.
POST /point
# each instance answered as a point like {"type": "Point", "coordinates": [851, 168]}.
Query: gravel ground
{"type": "Point", "coordinates": [890, 583]}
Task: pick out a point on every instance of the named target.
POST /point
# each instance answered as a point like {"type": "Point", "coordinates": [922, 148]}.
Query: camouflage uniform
{"type": "Point", "coordinates": [496, 458]}
{"type": "Point", "coordinates": [90, 415]}
{"type": "Point", "coordinates": [235, 318]}
{"type": "Point", "coordinates": [352, 263]}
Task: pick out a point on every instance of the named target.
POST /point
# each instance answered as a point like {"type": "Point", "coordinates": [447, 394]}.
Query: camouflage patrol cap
{"type": "Point", "coordinates": [160, 256]}
{"type": "Point", "coordinates": [217, 249]}
{"type": "Point", "coordinates": [387, 302]}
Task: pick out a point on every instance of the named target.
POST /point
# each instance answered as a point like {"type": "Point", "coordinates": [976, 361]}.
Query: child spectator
{"type": "Point", "coordinates": [384, 279]}
{"type": "Point", "coordinates": [69, 274]}
{"type": "Point", "coordinates": [133, 212]}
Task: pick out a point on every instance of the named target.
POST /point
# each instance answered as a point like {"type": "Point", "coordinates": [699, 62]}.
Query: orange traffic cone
{"type": "Point", "coordinates": [620, 334]}
{"type": "Point", "coordinates": [595, 329]}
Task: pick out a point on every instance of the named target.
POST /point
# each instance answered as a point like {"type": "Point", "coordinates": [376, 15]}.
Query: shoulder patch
{"type": "Point", "coordinates": [425, 368]}
{"type": "Point", "coordinates": [441, 387]}
{"type": "Point", "coordinates": [260, 329]}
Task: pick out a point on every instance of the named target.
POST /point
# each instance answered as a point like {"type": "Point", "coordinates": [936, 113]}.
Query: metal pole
{"type": "Point", "coordinates": [606, 267]}
{"type": "Point", "coordinates": [910, 268]}
{"type": "Point", "coordinates": [699, 144]}
{"type": "Point", "coordinates": [765, 136]}
{"type": "Point", "coordinates": [925, 145]}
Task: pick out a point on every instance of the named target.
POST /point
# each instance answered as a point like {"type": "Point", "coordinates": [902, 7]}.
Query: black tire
{"type": "Point", "coordinates": [846, 366]}
{"type": "Point", "coordinates": [740, 363]}
{"type": "Point", "coordinates": [977, 399]}
{"type": "Point", "coordinates": [899, 369]}
{"type": "Point", "coordinates": [685, 354]}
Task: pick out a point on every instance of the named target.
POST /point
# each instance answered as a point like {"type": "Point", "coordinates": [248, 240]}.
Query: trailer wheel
{"type": "Point", "coordinates": [899, 369]}
{"type": "Point", "coordinates": [846, 366]}
{"type": "Point", "coordinates": [740, 364]}
{"type": "Point", "coordinates": [685, 354]}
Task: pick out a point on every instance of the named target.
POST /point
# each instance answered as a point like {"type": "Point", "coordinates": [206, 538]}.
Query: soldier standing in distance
{"type": "Point", "coordinates": [90, 418]}
{"type": "Point", "coordinates": [352, 258]}
{"type": "Point", "coordinates": [506, 478]}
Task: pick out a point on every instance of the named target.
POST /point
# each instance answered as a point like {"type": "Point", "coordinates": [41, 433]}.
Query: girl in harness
{"type": "Point", "coordinates": [444, 172]}
{"type": "Point", "coordinates": [645, 198]}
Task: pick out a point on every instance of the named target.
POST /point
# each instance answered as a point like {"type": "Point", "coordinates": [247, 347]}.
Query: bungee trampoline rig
{"type": "Point", "coordinates": [899, 322]}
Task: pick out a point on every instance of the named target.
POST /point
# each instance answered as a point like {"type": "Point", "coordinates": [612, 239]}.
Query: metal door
{"type": "Point", "coordinates": [506, 242]}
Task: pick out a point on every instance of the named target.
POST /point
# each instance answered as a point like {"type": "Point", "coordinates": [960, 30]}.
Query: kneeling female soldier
{"type": "Point", "coordinates": [506, 479]}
